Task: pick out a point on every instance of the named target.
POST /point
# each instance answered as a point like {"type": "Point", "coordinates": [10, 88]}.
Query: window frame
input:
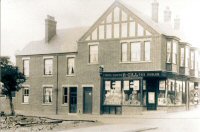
{"type": "Point", "coordinates": [44, 95]}
{"type": "Point", "coordinates": [45, 59]}
{"type": "Point", "coordinates": [65, 95]}
{"type": "Point", "coordinates": [149, 50]}
{"type": "Point", "coordinates": [89, 47]}
{"type": "Point", "coordinates": [25, 88]}
{"type": "Point", "coordinates": [25, 68]}
{"type": "Point", "coordinates": [138, 59]}
{"type": "Point", "coordinates": [124, 43]}
{"type": "Point", "coordinates": [68, 58]}
{"type": "Point", "coordinates": [169, 52]}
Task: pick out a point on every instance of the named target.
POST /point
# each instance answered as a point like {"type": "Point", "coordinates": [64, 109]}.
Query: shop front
{"type": "Point", "coordinates": [131, 92]}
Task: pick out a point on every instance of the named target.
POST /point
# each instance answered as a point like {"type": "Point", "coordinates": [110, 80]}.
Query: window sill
{"type": "Point", "coordinates": [72, 75]}
{"type": "Point", "coordinates": [133, 62]}
{"type": "Point", "coordinates": [64, 105]}
{"type": "Point", "coordinates": [93, 63]}
{"type": "Point", "coordinates": [47, 75]}
{"type": "Point", "coordinates": [47, 104]}
{"type": "Point", "coordinates": [25, 103]}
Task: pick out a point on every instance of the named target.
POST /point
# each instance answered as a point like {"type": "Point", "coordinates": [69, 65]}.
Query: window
{"type": "Point", "coordinates": [47, 95]}
{"type": "Point", "coordinates": [131, 94]}
{"type": "Point", "coordinates": [94, 35]}
{"type": "Point", "coordinates": [169, 52]}
{"type": "Point", "coordinates": [93, 54]}
{"type": "Point", "coordinates": [135, 51]}
{"type": "Point", "coordinates": [113, 93]}
{"type": "Point", "coordinates": [140, 30]}
{"type": "Point", "coordinates": [48, 66]}
{"type": "Point", "coordinates": [116, 14]}
{"type": "Point", "coordinates": [70, 66]}
{"type": "Point", "coordinates": [147, 51]}
{"type": "Point", "coordinates": [174, 60]}
{"type": "Point", "coordinates": [124, 16]}
{"type": "Point", "coordinates": [182, 61]}
{"type": "Point", "coordinates": [124, 52]}
{"type": "Point", "coordinates": [25, 95]}
{"type": "Point", "coordinates": [187, 57]}
{"type": "Point", "coordinates": [26, 67]}
{"type": "Point", "coordinates": [65, 95]}
{"type": "Point", "coordinates": [162, 99]}
{"type": "Point", "coordinates": [192, 60]}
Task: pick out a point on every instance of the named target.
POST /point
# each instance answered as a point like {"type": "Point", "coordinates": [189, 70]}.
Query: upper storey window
{"type": "Point", "coordinates": [187, 56]}
{"type": "Point", "coordinates": [182, 57]}
{"type": "Point", "coordinates": [192, 60]}
{"type": "Point", "coordinates": [147, 51]}
{"type": "Point", "coordinates": [26, 67]}
{"type": "Point", "coordinates": [169, 51]}
{"type": "Point", "coordinates": [124, 52]}
{"type": "Point", "coordinates": [93, 53]}
{"type": "Point", "coordinates": [174, 53]}
{"type": "Point", "coordinates": [136, 51]}
{"type": "Point", "coordinates": [70, 65]}
{"type": "Point", "coordinates": [48, 66]}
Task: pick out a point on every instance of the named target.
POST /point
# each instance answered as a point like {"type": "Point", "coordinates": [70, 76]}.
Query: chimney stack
{"type": "Point", "coordinates": [167, 15]}
{"type": "Point", "coordinates": [154, 16]}
{"type": "Point", "coordinates": [50, 28]}
{"type": "Point", "coordinates": [177, 23]}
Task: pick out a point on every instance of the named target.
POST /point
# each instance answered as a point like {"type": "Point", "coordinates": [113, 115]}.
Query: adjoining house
{"type": "Point", "coordinates": [125, 63]}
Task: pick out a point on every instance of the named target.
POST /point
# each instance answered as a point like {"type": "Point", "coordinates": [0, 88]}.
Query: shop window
{"type": "Point", "coordinates": [113, 93]}
{"type": "Point", "coordinates": [182, 56]}
{"type": "Point", "coordinates": [93, 57]}
{"type": "Point", "coordinates": [169, 51]}
{"type": "Point", "coordinates": [147, 51]}
{"type": "Point", "coordinates": [162, 99]}
{"type": "Point", "coordinates": [65, 95]}
{"type": "Point", "coordinates": [70, 66]}
{"type": "Point", "coordinates": [48, 66]}
{"type": "Point", "coordinates": [171, 92]}
{"type": "Point", "coordinates": [47, 98]}
{"type": "Point", "coordinates": [144, 93]}
{"type": "Point", "coordinates": [136, 51]}
{"type": "Point", "coordinates": [124, 30]}
{"type": "Point", "coordinates": [25, 95]}
{"type": "Point", "coordinates": [174, 53]}
{"type": "Point", "coordinates": [193, 94]}
{"type": "Point", "coordinates": [124, 52]}
{"type": "Point", "coordinates": [178, 93]}
{"type": "Point", "coordinates": [131, 94]}
{"type": "Point", "coordinates": [26, 67]}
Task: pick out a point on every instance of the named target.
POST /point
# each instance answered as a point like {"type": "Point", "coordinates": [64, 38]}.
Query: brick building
{"type": "Point", "coordinates": [124, 63]}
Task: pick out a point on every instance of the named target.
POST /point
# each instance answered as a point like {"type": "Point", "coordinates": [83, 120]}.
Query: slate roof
{"type": "Point", "coordinates": [64, 41]}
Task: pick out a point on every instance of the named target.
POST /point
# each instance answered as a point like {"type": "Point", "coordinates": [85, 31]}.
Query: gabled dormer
{"type": "Point", "coordinates": [119, 22]}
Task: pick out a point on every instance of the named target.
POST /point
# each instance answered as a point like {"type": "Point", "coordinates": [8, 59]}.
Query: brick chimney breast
{"type": "Point", "coordinates": [50, 28]}
{"type": "Point", "coordinates": [155, 6]}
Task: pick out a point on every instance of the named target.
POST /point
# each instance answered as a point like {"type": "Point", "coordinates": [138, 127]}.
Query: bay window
{"type": "Point", "coordinates": [192, 60]}
{"type": "Point", "coordinates": [182, 57]}
{"type": "Point", "coordinates": [174, 53]}
{"type": "Point", "coordinates": [169, 50]}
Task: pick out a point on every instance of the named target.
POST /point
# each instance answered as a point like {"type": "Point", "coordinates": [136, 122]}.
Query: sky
{"type": "Point", "coordinates": [22, 21]}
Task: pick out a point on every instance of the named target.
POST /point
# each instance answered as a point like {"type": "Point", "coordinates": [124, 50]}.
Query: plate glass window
{"type": "Point", "coordinates": [48, 66]}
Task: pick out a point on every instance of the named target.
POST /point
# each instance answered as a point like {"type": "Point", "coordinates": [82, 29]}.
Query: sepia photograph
{"type": "Point", "coordinates": [99, 66]}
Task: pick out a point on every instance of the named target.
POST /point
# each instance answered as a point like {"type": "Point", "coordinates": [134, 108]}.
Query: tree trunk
{"type": "Point", "coordinates": [11, 105]}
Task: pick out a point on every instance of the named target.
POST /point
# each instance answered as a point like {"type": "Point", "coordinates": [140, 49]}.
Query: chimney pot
{"type": "Point", "coordinates": [167, 15]}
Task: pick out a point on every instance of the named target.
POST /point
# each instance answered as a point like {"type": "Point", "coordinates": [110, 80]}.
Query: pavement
{"type": "Point", "coordinates": [153, 121]}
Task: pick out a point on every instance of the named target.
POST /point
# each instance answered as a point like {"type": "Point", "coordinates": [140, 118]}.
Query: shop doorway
{"type": "Point", "coordinates": [87, 100]}
{"type": "Point", "coordinates": [151, 101]}
{"type": "Point", "coordinates": [73, 100]}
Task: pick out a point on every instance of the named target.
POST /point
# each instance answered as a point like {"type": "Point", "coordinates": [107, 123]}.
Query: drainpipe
{"type": "Point", "coordinates": [57, 85]}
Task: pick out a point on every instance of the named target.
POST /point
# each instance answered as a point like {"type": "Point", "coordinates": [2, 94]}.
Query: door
{"type": "Point", "coordinates": [73, 100]}
{"type": "Point", "coordinates": [87, 100]}
{"type": "Point", "coordinates": [152, 88]}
